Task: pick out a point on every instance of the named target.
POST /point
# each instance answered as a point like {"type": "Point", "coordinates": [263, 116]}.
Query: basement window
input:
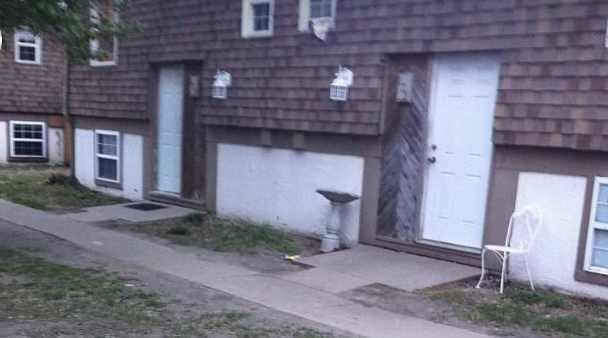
{"type": "Point", "coordinates": [28, 47]}
{"type": "Point", "coordinates": [258, 18]}
{"type": "Point", "coordinates": [28, 139]}
{"type": "Point", "coordinates": [104, 48]}
{"type": "Point", "coordinates": [596, 257]}
{"type": "Point", "coordinates": [107, 156]}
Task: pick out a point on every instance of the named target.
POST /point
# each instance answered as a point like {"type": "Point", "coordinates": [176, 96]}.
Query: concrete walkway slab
{"type": "Point", "coordinates": [122, 212]}
{"type": "Point", "coordinates": [280, 294]}
{"type": "Point", "coordinates": [377, 265]}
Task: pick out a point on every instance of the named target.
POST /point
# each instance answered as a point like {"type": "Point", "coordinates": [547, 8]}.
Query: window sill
{"type": "Point", "coordinates": [258, 35]}
{"type": "Point", "coordinates": [18, 159]}
{"type": "Point", "coordinates": [592, 276]}
{"type": "Point", "coordinates": [102, 64]}
{"type": "Point", "coordinates": [108, 184]}
{"type": "Point", "coordinates": [32, 63]}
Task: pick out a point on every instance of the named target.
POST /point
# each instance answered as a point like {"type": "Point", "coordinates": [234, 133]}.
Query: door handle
{"type": "Point", "coordinates": [432, 159]}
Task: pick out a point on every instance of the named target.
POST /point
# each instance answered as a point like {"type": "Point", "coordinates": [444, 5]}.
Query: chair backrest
{"type": "Point", "coordinates": [528, 221]}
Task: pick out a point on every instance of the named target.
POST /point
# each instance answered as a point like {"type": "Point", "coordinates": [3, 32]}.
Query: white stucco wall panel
{"type": "Point", "coordinates": [277, 186]}
{"type": "Point", "coordinates": [132, 167]}
{"type": "Point", "coordinates": [553, 257]}
{"type": "Point", "coordinates": [3, 142]}
{"type": "Point", "coordinates": [56, 146]}
{"type": "Point", "coordinates": [84, 157]}
{"type": "Point", "coordinates": [131, 164]}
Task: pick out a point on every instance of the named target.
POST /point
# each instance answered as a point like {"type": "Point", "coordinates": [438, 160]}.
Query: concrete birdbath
{"type": "Point", "coordinates": [331, 240]}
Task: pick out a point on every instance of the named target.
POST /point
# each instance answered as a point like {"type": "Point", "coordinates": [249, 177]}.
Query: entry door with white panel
{"type": "Point", "coordinates": [463, 99]}
{"type": "Point", "coordinates": [170, 128]}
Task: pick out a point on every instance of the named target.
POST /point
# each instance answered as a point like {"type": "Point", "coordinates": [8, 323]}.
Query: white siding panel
{"type": "Point", "coordinates": [84, 156]}
{"type": "Point", "coordinates": [277, 186]}
{"type": "Point", "coordinates": [3, 142]}
{"type": "Point", "coordinates": [56, 146]}
{"type": "Point", "coordinates": [553, 257]}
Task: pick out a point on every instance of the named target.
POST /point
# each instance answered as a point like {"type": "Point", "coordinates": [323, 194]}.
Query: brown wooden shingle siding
{"type": "Point", "coordinates": [553, 89]}
{"type": "Point", "coordinates": [26, 88]}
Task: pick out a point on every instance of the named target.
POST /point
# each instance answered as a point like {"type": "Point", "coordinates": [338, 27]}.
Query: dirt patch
{"type": "Point", "coordinates": [161, 305]}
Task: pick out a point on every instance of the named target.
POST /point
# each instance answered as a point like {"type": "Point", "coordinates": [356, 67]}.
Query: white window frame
{"type": "Point", "coordinates": [108, 157]}
{"type": "Point", "coordinates": [247, 20]}
{"type": "Point", "coordinates": [37, 45]}
{"type": "Point", "coordinates": [593, 225]}
{"type": "Point", "coordinates": [94, 43]}
{"type": "Point", "coordinates": [304, 17]}
{"type": "Point", "coordinates": [13, 139]}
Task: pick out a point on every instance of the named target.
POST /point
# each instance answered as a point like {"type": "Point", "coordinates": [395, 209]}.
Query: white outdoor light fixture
{"type": "Point", "coordinates": [223, 80]}
{"type": "Point", "coordinates": [339, 87]}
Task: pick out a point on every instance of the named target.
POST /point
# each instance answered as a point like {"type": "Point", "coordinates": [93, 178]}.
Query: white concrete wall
{"type": "Point", "coordinates": [131, 164]}
{"type": "Point", "coordinates": [3, 142]}
{"type": "Point", "coordinates": [553, 257]}
{"type": "Point", "coordinates": [56, 146]}
{"type": "Point", "coordinates": [277, 186]}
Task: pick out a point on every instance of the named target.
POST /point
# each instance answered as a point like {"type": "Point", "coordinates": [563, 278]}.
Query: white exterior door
{"type": "Point", "coordinates": [463, 99]}
{"type": "Point", "coordinates": [170, 126]}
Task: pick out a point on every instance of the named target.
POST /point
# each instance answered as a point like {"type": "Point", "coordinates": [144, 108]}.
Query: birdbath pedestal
{"type": "Point", "coordinates": [331, 240]}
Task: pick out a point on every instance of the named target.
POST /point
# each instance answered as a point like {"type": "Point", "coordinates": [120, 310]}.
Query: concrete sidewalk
{"type": "Point", "coordinates": [278, 293]}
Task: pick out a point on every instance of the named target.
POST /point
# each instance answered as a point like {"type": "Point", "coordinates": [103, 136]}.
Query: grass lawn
{"type": "Point", "coordinates": [57, 300]}
{"type": "Point", "coordinates": [545, 312]}
{"type": "Point", "coordinates": [220, 234]}
{"type": "Point", "coordinates": [46, 190]}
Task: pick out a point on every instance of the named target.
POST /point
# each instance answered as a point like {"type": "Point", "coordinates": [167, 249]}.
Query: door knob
{"type": "Point", "coordinates": [432, 159]}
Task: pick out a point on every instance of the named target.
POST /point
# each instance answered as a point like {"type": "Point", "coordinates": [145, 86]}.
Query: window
{"type": "Point", "coordinates": [321, 9]}
{"type": "Point", "coordinates": [316, 9]}
{"type": "Point", "coordinates": [107, 156]}
{"type": "Point", "coordinates": [597, 240]}
{"type": "Point", "coordinates": [105, 47]}
{"type": "Point", "coordinates": [28, 139]}
{"type": "Point", "coordinates": [28, 47]}
{"type": "Point", "coordinates": [257, 18]}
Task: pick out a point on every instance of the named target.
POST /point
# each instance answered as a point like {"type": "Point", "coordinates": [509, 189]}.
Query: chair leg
{"type": "Point", "coordinates": [483, 268]}
{"type": "Point", "coordinates": [529, 273]}
{"type": "Point", "coordinates": [503, 272]}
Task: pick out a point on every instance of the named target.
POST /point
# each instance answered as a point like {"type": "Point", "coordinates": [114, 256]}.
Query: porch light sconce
{"type": "Point", "coordinates": [223, 80]}
{"type": "Point", "coordinates": [341, 84]}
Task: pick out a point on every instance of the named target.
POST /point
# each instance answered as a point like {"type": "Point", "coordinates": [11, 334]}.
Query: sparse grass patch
{"type": "Point", "coordinates": [543, 311]}
{"type": "Point", "coordinates": [39, 290]}
{"type": "Point", "coordinates": [50, 191]}
{"type": "Point", "coordinates": [92, 303]}
{"type": "Point", "coordinates": [220, 234]}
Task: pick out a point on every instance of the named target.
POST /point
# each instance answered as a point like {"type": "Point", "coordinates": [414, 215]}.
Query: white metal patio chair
{"type": "Point", "coordinates": [530, 220]}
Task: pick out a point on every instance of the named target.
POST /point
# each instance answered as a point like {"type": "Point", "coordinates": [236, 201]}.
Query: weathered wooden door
{"type": "Point", "coordinates": [170, 128]}
{"type": "Point", "coordinates": [463, 100]}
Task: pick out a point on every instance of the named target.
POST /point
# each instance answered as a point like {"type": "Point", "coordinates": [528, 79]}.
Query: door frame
{"type": "Point", "coordinates": [433, 78]}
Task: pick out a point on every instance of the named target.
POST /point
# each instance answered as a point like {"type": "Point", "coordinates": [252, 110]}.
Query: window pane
{"type": "Point", "coordinates": [28, 131]}
{"type": "Point", "coordinates": [27, 53]}
{"type": "Point", "coordinates": [600, 239]}
{"type": "Point", "coordinates": [107, 144]}
{"type": "Point", "coordinates": [321, 8]}
{"type": "Point", "coordinates": [602, 196]}
{"type": "Point", "coordinates": [601, 213]}
{"type": "Point", "coordinates": [108, 169]}
{"type": "Point", "coordinates": [261, 17]}
{"type": "Point", "coordinates": [24, 148]}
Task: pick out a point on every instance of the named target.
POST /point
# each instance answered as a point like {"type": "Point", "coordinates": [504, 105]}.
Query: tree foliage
{"type": "Point", "coordinates": [67, 20]}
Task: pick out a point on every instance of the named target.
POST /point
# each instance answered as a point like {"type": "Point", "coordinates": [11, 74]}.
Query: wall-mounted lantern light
{"type": "Point", "coordinates": [339, 87]}
{"type": "Point", "coordinates": [223, 80]}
